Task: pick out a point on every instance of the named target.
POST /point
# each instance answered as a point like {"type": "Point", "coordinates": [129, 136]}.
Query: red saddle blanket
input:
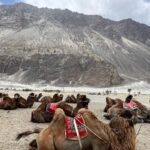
{"type": "Point", "coordinates": [51, 107]}
{"type": "Point", "coordinates": [70, 128]}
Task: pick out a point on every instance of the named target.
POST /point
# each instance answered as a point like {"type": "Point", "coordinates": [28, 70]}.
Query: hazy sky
{"type": "Point", "coordinates": [138, 10]}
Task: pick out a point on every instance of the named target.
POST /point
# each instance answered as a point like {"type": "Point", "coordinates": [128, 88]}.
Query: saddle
{"type": "Point", "coordinates": [70, 131]}
{"type": "Point", "coordinates": [51, 107]}
{"type": "Point", "coordinates": [132, 105]}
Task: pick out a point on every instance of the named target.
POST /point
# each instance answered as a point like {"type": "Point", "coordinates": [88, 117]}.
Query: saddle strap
{"type": "Point", "coordinates": [77, 132]}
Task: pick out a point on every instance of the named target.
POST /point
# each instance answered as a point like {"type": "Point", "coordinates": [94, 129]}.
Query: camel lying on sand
{"type": "Point", "coordinates": [16, 102]}
{"type": "Point", "coordinates": [119, 134]}
{"type": "Point", "coordinates": [40, 115]}
{"type": "Point", "coordinates": [115, 106]}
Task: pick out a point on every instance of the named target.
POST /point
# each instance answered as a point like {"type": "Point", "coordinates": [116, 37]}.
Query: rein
{"type": "Point", "coordinates": [92, 131]}
{"type": "Point", "coordinates": [76, 129]}
{"type": "Point", "coordinates": [139, 130]}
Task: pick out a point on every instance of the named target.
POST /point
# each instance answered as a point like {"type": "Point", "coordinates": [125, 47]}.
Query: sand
{"type": "Point", "coordinates": [15, 121]}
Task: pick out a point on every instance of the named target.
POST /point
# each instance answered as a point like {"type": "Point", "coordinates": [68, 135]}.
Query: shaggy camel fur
{"type": "Point", "coordinates": [119, 134]}
{"type": "Point", "coordinates": [115, 106]}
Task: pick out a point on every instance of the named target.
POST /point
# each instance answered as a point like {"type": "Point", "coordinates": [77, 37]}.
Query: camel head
{"type": "Point", "coordinates": [83, 101]}
{"type": "Point", "coordinates": [16, 96]}
{"type": "Point", "coordinates": [109, 103]}
{"type": "Point", "coordinates": [31, 97]}
{"type": "Point", "coordinates": [57, 97]}
{"type": "Point", "coordinates": [121, 127]}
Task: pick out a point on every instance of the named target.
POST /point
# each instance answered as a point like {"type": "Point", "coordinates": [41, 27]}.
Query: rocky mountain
{"type": "Point", "coordinates": [63, 47]}
{"type": "Point", "coordinates": [59, 69]}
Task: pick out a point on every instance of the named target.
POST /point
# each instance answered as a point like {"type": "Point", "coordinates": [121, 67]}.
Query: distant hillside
{"type": "Point", "coordinates": [55, 35]}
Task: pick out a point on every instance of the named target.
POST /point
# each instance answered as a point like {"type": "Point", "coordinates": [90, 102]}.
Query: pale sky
{"type": "Point", "coordinates": [138, 10]}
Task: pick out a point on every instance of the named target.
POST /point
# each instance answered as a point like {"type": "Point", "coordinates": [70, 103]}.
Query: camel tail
{"type": "Point", "coordinates": [26, 133]}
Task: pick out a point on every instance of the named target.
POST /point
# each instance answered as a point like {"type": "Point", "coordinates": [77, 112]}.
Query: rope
{"type": "Point", "coordinates": [76, 129]}
{"type": "Point", "coordinates": [139, 130]}
{"type": "Point", "coordinates": [91, 131]}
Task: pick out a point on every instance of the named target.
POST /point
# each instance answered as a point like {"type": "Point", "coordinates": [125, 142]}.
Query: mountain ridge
{"type": "Point", "coordinates": [27, 30]}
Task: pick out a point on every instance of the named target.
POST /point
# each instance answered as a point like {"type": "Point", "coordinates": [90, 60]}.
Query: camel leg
{"type": "Point", "coordinates": [33, 145]}
{"type": "Point", "coordinates": [45, 143]}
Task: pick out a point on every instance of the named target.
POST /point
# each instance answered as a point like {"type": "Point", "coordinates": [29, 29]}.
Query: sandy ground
{"type": "Point", "coordinates": [15, 121]}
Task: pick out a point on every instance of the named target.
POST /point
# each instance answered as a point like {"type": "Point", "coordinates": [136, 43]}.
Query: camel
{"type": "Point", "coordinates": [71, 99]}
{"type": "Point", "coordinates": [22, 102]}
{"type": "Point", "coordinates": [119, 134]}
{"type": "Point", "coordinates": [82, 102]}
{"type": "Point", "coordinates": [16, 102]}
{"type": "Point", "coordinates": [8, 103]}
{"type": "Point", "coordinates": [115, 106]}
{"type": "Point", "coordinates": [38, 97]}
{"type": "Point", "coordinates": [40, 115]}
{"type": "Point", "coordinates": [56, 98]}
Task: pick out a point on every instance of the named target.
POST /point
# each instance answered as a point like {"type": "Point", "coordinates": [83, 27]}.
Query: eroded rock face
{"type": "Point", "coordinates": [26, 31]}
{"type": "Point", "coordinates": [61, 70]}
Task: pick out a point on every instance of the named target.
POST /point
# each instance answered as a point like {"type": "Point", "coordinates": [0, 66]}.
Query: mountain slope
{"type": "Point", "coordinates": [26, 30]}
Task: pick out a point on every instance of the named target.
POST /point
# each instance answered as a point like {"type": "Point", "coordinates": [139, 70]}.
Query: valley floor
{"type": "Point", "coordinates": [15, 121]}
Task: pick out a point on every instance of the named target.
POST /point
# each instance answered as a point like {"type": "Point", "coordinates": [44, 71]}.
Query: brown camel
{"type": "Point", "coordinates": [9, 103]}
{"type": "Point", "coordinates": [82, 102]}
{"type": "Point", "coordinates": [40, 115]}
{"type": "Point", "coordinates": [46, 99]}
{"type": "Point", "coordinates": [22, 102]}
{"type": "Point", "coordinates": [38, 97]}
{"type": "Point", "coordinates": [6, 102]}
{"type": "Point", "coordinates": [115, 106]}
{"type": "Point", "coordinates": [17, 102]}
{"type": "Point", "coordinates": [71, 99]}
{"type": "Point", "coordinates": [119, 134]}
{"type": "Point", "coordinates": [56, 98]}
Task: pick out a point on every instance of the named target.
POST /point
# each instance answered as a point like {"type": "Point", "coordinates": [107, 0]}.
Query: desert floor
{"type": "Point", "coordinates": [15, 121]}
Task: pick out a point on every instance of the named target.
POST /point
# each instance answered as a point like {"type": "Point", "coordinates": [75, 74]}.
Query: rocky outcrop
{"type": "Point", "coordinates": [60, 70]}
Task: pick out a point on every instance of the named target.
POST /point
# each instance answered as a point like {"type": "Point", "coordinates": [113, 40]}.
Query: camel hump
{"type": "Point", "coordinates": [59, 111]}
{"type": "Point", "coordinates": [59, 115]}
